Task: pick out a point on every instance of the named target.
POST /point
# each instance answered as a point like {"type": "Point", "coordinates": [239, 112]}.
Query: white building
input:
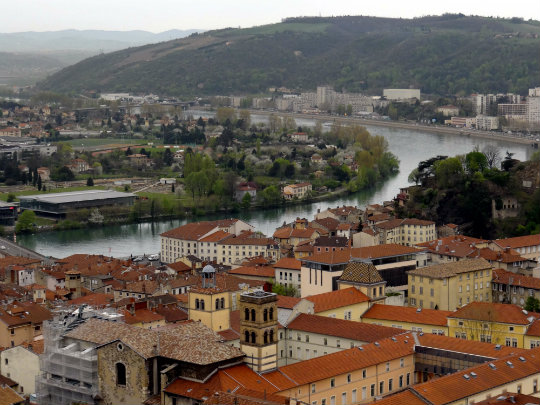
{"type": "Point", "coordinates": [401, 94]}
{"type": "Point", "coordinates": [487, 123]}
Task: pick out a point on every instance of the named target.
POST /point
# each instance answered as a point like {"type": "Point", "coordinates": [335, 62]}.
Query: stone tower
{"type": "Point", "coordinates": [258, 330]}
{"type": "Point", "coordinates": [73, 283]}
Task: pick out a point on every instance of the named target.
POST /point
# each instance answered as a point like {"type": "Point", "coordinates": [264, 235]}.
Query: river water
{"type": "Point", "coordinates": [409, 146]}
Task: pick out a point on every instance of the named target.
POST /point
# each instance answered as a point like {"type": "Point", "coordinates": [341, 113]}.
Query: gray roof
{"type": "Point", "coordinates": [76, 196]}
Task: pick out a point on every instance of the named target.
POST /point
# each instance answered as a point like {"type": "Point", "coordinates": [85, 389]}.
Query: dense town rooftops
{"type": "Point", "coordinates": [337, 299]}
{"type": "Point", "coordinates": [176, 342]}
{"type": "Point", "coordinates": [445, 270]}
{"type": "Point", "coordinates": [20, 313]}
{"type": "Point", "coordinates": [456, 246]}
{"type": "Point", "coordinates": [323, 325]}
{"type": "Point", "coordinates": [287, 302]}
{"type": "Point", "coordinates": [506, 256]}
{"type": "Point", "coordinates": [494, 312]}
{"type": "Point", "coordinates": [259, 271]}
{"type": "Point", "coordinates": [331, 241]}
{"type": "Point", "coordinates": [362, 273]}
{"type": "Point", "coordinates": [407, 314]}
{"type": "Point", "coordinates": [288, 232]}
{"type": "Point", "coordinates": [382, 251]}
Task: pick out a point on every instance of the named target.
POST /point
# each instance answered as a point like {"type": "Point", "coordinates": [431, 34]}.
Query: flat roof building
{"type": "Point", "coordinates": [58, 204]}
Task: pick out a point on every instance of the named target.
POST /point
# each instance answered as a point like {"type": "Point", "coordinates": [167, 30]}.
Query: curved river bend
{"type": "Point", "coordinates": [409, 146]}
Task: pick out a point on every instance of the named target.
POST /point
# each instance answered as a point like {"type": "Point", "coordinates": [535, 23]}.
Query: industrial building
{"type": "Point", "coordinates": [8, 213]}
{"type": "Point", "coordinates": [58, 204]}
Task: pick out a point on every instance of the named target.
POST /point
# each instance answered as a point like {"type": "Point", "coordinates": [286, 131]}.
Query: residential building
{"type": "Point", "coordinates": [532, 336]}
{"type": "Point", "coordinates": [508, 287]}
{"type": "Point", "coordinates": [330, 244]}
{"type": "Point", "coordinates": [407, 232]}
{"type": "Point", "coordinates": [236, 250]}
{"type": "Point", "coordinates": [449, 286]}
{"type": "Point", "coordinates": [401, 94]}
{"type": "Point", "coordinates": [448, 110]}
{"type": "Point", "coordinates": [10, 397]}
{"type": "Point", "coordinates": [298, 191]}
{"type": "Point", "coordinates": [345, 213]}
{"type": "Point", "coordinates": [264, 274]}
{"type": "Point", "coordinates": [452, 248]}
{"type": "Point", "coordinates": [290, 236]}
{"type": "Point", "coordinates": [408, 318]}
{"type": "Point", "coordinates": [527, 246]}
{"type": "Point", "coordinates": [487, 123]}
{"type": "Point", "coordinates": [20, 322]}
{"type": "Point", "coordinates": [348, 304]}
{"type": "Point", "coordinates": [287, 272]}
{"type": "Point", "coordinates": [310, 336]}
{"type": "Point", "coordinates": [21, 364]}
{"type": "Point", "coordinates": [502, 324]}
{"type": "Point", "coordinates": [241, 191]}
{"type": "Point", "coordinates": [185, 239]}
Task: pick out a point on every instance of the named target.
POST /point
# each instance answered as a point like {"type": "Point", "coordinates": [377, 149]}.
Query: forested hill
{"type": "Point", "coordinates": [449, 54]}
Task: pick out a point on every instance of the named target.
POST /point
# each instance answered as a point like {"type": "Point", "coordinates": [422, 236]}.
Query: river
{"type": "Point", "coordinates": [409, 146]}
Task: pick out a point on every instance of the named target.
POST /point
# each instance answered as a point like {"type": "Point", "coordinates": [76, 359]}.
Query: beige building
{"type": "Point", "coordinates": [298, 191]}
{"type": "Point", "coordinates": [288, 273]}
{"type": "Point", "coordinates": [236, 250]}
{"type": "Point", "coordinates": [364, 277]}
{"type": "Point", "coordinates": [188, 239]}
{"type": "Point", "coordinates": [449, 286]}
{"type": "Point", "coordinates": [310, 336]}
{"type": "Point", "coordinates": [527, 246]}
{"type": "Point", "coordinates": [407, 232]}
{"type": "Point", "coordinates": [21, 364]}
{"type": "Point", "coordinates": [513, 288]}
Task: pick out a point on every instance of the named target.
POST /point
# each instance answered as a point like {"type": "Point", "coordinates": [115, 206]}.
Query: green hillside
{"type": "Point", "coordinates": [448, 54]}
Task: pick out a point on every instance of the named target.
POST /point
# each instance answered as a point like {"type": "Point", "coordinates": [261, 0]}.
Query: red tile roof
{"type": "Point", "coordinates": [191, 231]}
{"type": "Point", "coordinates": [216, 236]}
{"type": "Point", "coordinates": [534, 329]}
{"type": "Point", "coordinates": [407, 314]}
{"type": "Point", "coordinates": [494, 312]}
{"type": "Point", "coordinates": [95, 300]}
{"type": "Point", "coordinates": [519, 241]}
{"type": "Point", "coordinates": [401, 398]}
{"type": "Point", "coordinates": [257, 271]}
{"type": "Point", "coordinates": [506, 277]}
{"type": "Point", "coordinates": [455, 246]}
{"type": "Point", "coordinates": [387, 250]}
{"type": "Point", "coordinates": [141, 316]}
{"type": "Point", "coordinates": [288, 263]}
{"type": "Point", "coordinates": [353, 330]}
{"type": "Point", "coordinates": [337, 299]}
{"type": "Point", "coordinates": [179, 267]}
{"type": "Point", "coordinates": [287, 302]}
{"type": "Point", "coordinates": [464, 384]}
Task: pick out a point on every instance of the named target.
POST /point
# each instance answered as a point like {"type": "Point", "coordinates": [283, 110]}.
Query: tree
{"type": "Point", "coordinates": [10, 197]}
{"type": "Point", "coordinates": [493, 155]}
{"type": "Point", "coordinates": [26, 222]}
{"type": "Point", "coordinates": [90, 182]}
{"type": "Point", "coordinates": [39, 185]}
{"type": "Point", "coordinates": [225, 113]}
{"type": "Point", "coordinates": [290, 170]}
{"type": "Point", "coordinates": [532, 304]}
{"type": "Point", "coordinates": [168, 157]}
{"type": "Point", "coordinates": [246, 201]}
{"type": "Point", "coordinates": [448, 172]}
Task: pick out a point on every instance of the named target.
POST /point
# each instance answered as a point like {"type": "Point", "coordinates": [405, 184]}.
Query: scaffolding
{"type": "Point", "coordinates": [68, 368]}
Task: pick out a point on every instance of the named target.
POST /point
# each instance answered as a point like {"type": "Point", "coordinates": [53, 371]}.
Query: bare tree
{"type": "Point", "coordinates": [493, 155]}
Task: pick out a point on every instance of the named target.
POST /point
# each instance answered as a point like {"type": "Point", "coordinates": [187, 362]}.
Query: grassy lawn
{"type": "Point", "coordinates": [291, 26]}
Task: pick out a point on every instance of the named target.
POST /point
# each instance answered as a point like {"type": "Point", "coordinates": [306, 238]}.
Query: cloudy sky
{"type": "Point", "coordinates": [162, 15]}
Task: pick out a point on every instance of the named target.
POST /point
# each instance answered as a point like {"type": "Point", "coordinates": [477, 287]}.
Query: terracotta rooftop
{"type": "Point", "coordinates": [248, 241]}
{"type": "Point", "coordinates": [288, 263]}
{"type": "Point", "coordinates": [494, 312]}
{"type": "Point", "coordinates": [386, 250]}
{"type": "Point", "coordinates": [179, 267]}
{"type": "Point", "coordinates": [331, 241]}
{"type": "Point", "coordinates": [406, 397]}
{"type": "Point", "coordinates": [288, 232]}
{"type": "Point", "coordinates": [141, 315]}
{"type": "Point", "coordinates": [407, 314]}
{"type": "Point", "coordinates": [196, 230]}
{"type": "Point", "coordinates": [287, 302]}
{"type": "Point", "coordinates": [501, 276]}
{"type": "Point", "coordinates": [510, 398]}
{"type": "Point", "coordinates": [519, 241]}
{"type": "Point", "coordinates": [176, 342]}
{"type": "Point", "coordinates": [455, 246]}
{"type": "Point", "coordinates": [329, 223]}
{"type": "Point", "coordinates": [353, 330]}
{"type": "Point", "coordinates": [363, 273]}
{"type": "Point", "coordinates": [534, 329]}
{"type": "Point", "coordinates": [342, 362]}
{"type": "Point", "coordinates": [9, 397]}
{"type": "Point", "coordinates": [499, 256]}
{"type": "Point", "coordinates": [334, 257]}
{"type": "Point", "coordinates": [257, 271]}
{"type": "Point", "coordinates": [450, 269]}
{"type": "Point", "coordinates": [463, 384]}
{"type": "Point", "coordinates": [337, 299]}
{"type": "Point", "coordinates": [216, 236]}
{"type": "Point", "coordinates": [94, 300]}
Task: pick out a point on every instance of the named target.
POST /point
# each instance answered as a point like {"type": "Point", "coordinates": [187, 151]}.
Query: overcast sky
{"type": "Point", "coordinates": [162, 15]}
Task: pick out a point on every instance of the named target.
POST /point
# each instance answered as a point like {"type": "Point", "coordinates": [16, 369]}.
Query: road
{"type": "Point", "coordinates": [8, 247]}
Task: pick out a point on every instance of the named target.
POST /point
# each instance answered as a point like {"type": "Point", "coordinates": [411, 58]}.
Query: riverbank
{"type": "Point", "coordinates": [500, 136]}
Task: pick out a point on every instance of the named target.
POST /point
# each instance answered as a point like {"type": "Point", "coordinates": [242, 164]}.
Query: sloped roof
{"type": "Point", "coordinates": [257, 271]}
{"type": "Point", "coordinates": [176, 342]}
{"type": "Point", "coordinates": [519, 280]}
{"type": "Point", "coordinates": [353, 330]}
{"type": "Point", "coordinates": [9, 397]}
{"type": "Point", "coordinates": [450, 269]}
{"type": "Point", "coordinates": [494, 312]}
{"type": "Point", "coordinates": [407, 314]}
{"type": "Point", "coordinates": [288, 263]}
{"type": "Point", "coordinates": [287, 302]}
{"type": "Point", "coordinates": [359, 272]}
{"type": "Point", "coordinates": [337, 299]}
{"type": "Point", "coordinates": [453, 387]}
{"type": "Point", "coordinates": [518, 241]}
{"type": "Point", "coordinates": [386, 250]}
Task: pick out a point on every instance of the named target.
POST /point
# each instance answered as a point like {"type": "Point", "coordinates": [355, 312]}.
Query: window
{"type": "Point", "coordinates": [197, 304]}
{"type": "Point", "coordinates": [246, 312]}
{"type": "Point", "coordinates": [372, 390]}
{"type": "Point", "coordinates": [246, 335]}
{"type": "Point", "coordinates": [347, 315]}
{"type": "Point", "coordinates": [387, 366]}
{"type": "Point", "coordinates": [217, 303]}
{"type": "Point", "coordinates": [381, 387]}
{"type": "Point", "coordinates": [201, 302]}
{"type": "Point", "coordinates": [120, 374]}
{"type": "Point", "coordinates": [401, 362]}
{"type": "Point", "coordinates": [222, 301]}
{"type": "Point", "coordinates": [265, 315]}
{"type": "Point", "coordinates": [313, 388]}
{"type": "Point", "coordinates": [307, 338]}
{"type": "Point", "coordinates": [6, 361]}
{"type": "Point", "coordinates": [333, 400]}
{"type": "Point", "coordinates": [349, 378]}
{"type": "Point", "coordinates": [353, 396]}
{"type": "Point", "coordinates": [408, 378]}
{"type": "Point", "coordinates": [364, 373]}
{"type": "Point", "coordinates": [253, 315]}
{"type": "Point", "coordinates": [338, 343]}
{"type": "Point", "coordinates": [271, 312]}
{"type": "Point", "coordinates": [332, 382]}
{"type": "Point", "coordinates": [400, 381]}
{"type": "Point", "coordinates": [253, 337]}
{"type": "Point", "coordinates": [390, 384]}
{"type": "Point", "coordinates": [325, 341]}
{"type": "Point", "coordinates": [344, 398]}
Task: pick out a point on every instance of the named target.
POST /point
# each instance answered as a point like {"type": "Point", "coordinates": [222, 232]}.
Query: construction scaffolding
{"type": "Point", "coordinates": [68, 368]}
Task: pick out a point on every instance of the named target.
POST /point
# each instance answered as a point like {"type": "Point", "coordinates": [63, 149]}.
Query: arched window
{"type": "Point", "coordinates": [246, 334]}
{"type": "Point", "coordinates": [196, 303]}
{"type": "Point", "coordinates": [202, 304]}
{"type": "Point", "coordinates": [271, 336]}
{"type": "Point", "coordinates": [271, 313]}
{"type": "Point", "coordinates": [246, 312]}
{"type": "Point", "coordinates": [217, 303]}
{"type": "Point", "coordinates": [265, 314]}
{"type": "Point", "coordinates": [252, 315]}
{"type": "Point", "coordinates": [222, 303]}
{"type": "Point", "coordinates": [253, 337]}
{"type": "Point", "coordinates": [265, 337]}
{"type": "Point", "coordinates": [120, 374]}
